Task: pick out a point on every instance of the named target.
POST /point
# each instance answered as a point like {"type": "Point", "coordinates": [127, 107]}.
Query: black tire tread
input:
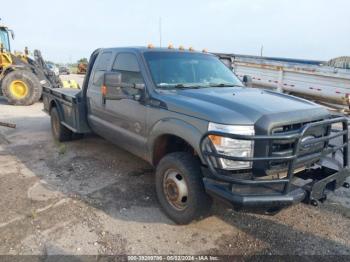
{"type": "Point", "coordinates": [190, 167]}
{"type": "Point", "coordinates": [64, 134]}
{"type": "Point", "coordinates": [35, 89]}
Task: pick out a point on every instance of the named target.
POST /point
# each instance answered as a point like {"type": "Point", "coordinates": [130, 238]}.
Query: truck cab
{"type": "Point", "coordinates": [204, 131]}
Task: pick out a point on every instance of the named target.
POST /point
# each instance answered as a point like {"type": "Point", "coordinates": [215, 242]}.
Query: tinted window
{"type": "Point", "coordinates": [4, 39]}
{"type": "Point", "coordinates": [127, 64]}
{"type": "Point", "coordinates": [102, 65]}
{"type": "Point", "coordinates": [98, 78]}
{"type": "Point", "coordinates": [171, 69]}
{"type": "Point", "coordinates": [104, 61]}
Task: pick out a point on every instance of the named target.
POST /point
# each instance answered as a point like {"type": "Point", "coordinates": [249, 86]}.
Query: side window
{"type": "Point", "coordinates": [104, 61]}
{"type": "Point", "coordinates": [127, 64]}
{"type": "Point", "coordinates": [98, 78]}
{"type": "Point", "coordinates": [102, 64]}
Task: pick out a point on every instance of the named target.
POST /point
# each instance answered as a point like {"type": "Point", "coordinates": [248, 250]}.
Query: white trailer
{"type": "Point", "coordinates": [306, 78]}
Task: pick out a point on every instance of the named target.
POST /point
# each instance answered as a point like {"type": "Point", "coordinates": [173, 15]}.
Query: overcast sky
{"type": "Point", "coordinates": [67, 30]}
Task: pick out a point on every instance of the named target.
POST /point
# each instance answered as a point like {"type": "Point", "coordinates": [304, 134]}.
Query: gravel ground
{"type": "Point", "coordinates": [90, 197]}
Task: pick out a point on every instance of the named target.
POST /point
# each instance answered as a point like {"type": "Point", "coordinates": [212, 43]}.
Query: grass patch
{"type": "Point", "coordinates": [62, 148]}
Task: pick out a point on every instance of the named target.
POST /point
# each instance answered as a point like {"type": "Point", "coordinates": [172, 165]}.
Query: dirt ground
{"type": "Point", "coordinates": [91, 197]}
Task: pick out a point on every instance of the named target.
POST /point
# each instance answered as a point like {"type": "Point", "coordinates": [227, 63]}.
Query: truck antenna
{"type": "Point", "coordinates": [160, 31]}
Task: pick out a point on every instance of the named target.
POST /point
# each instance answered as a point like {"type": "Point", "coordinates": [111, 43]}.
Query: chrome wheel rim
{"type": "Point", "coordinates": [175, 189]}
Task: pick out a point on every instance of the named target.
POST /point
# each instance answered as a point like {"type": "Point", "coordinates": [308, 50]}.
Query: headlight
{"type": "Point", "coordinates": [233, 147]}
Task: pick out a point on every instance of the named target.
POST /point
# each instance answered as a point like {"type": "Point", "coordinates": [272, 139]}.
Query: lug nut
{"type": "Point", "coordinates": [346, 185]}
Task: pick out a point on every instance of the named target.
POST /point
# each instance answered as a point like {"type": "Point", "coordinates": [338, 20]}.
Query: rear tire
{"type": "Point", "coordinates": [59, 131]}
{"type": "Point", "coordinates": [21, 87]}
{"type": "Point", "coordinates": [180, 188]}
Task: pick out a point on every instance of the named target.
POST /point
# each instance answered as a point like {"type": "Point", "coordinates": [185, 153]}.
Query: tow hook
{"type": "Point", "coordinates": [346, 185]}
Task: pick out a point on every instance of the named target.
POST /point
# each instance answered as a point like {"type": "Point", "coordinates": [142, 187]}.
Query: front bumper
{"type": "Point", "coordinates": [255, 201]}
{"type": "Point", "coordinates": [309, 185]}
{"type": "Point", "coordinates": [258, 199]}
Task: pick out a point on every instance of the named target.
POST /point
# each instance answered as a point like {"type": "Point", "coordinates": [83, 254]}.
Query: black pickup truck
{"type": "Point", "coordinates": [205, 132]}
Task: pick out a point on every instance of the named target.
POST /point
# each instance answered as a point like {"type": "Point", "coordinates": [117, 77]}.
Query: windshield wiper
{"type": "Point", "coordinates": [223, 85]}
{"type": "Point", "coordinates": [178, 86]}
{"type": "Point", "coordinates": [182, 86]}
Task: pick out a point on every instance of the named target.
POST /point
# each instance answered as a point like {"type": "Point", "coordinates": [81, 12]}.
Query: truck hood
{"type": "Point", "coordinates": [239, 105]}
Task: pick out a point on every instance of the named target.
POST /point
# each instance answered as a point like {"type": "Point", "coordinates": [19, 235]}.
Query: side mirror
{"type": "Point", "coordinates": [112, 88]}
{"type": "Point", "coordinates": [112, 79]}
{"type": "Point", "coordinates": [247, 81]}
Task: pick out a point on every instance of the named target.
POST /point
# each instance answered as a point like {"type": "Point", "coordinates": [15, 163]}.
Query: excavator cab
{"type": "Point", "coordinates": [4, 38]}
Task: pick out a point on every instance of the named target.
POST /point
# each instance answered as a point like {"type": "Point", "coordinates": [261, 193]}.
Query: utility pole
{"type": "Point", "coordinates": [160, 31]}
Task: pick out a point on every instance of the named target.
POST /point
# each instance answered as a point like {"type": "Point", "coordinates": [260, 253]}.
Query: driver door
{"type": "Point", "coordinates": [126, 118]}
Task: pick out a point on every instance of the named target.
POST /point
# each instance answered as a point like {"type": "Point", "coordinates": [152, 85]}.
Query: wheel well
{"type": "Point", "coordinates": [166, 144]}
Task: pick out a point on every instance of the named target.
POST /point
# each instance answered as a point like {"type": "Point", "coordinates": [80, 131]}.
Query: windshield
{"type": "Point", "coordinates": [189, 70]}
{"type": "Point", "coordinates": [4, 39]}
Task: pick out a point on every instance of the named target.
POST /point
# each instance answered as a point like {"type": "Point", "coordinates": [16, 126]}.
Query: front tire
{"type": "Point", "coordinates": [59, 131]}
{"type": "Point", "coordinates": [180, 188]}
{"type": "Point", "coordinates": [21, 87]}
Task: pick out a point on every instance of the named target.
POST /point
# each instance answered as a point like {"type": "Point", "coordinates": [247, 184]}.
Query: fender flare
{"type": "Point", "coordinates": [175, 127]}
{"type": "Point", "coordinates": [56, 103]}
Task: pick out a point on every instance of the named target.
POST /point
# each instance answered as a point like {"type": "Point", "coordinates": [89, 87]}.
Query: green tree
{"type": "Point", "coordinates": [83, 60]}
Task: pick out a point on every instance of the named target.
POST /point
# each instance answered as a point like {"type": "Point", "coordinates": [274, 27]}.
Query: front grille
{"type": "Point", "coordinates": [322, 132]}
{"type": "Point", "coordinates": [285, 147]}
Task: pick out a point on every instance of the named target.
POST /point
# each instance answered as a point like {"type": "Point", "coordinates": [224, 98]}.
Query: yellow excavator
{"type": "Point", "coordinates": [22, 77]}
